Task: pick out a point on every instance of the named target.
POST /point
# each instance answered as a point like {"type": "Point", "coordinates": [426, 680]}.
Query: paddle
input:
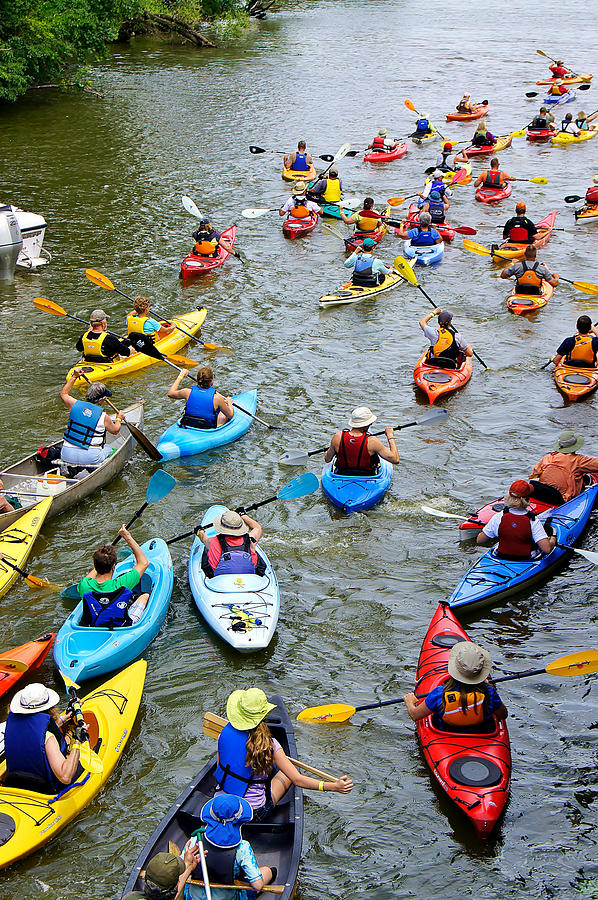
{"type": "Point", "coordinates": [104, 282]}
{"type": "Point", "coordinates": [587, 287]}
{"type": "Point", "coordinates": [256, 212]}
{"type": "Point", "coordinates": [587, 554]}
{"type": "Point", "coordinates": [159, 486]}
{"type": "Point", "coordinates": [407, 270]}
{"type": "Point", "coordinates": [295, 457]}
{"type": "Point", "coordinates": [442, 514]}
{"type": "Point", "coordinates": [340, 154]}
{"type": "Point", "coordinates": [89, 760]}
{"type": "Point", "coordinates": [539, 179]}
{"type": "Point", "coordinates": [31, 580]}
{"type": "Point", "coordinates": [541, 53]}
{"type": "Point", "coordinates": [148, 349]}
{"type": "Point", "coordinates": [409, 104]}
{"type": "Point", "coordinates": [584, 662]}
{"type": "Point", "coordinates": [300, 486]}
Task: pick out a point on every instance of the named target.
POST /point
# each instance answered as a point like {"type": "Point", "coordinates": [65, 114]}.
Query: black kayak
{"type": "Point", "coordinates": [276, 841]}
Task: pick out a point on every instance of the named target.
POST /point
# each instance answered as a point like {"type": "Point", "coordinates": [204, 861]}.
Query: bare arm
{"type": "Point", "coordinates": [417, 710]}
{"type": "Point", "coordinates": [255, 529]}
{"type": "Point", "coordinates": [174, 391]}
{"type": "Point", "coordinates": [65, 393]}
{"type": "Point", "coordinates": [389, 453]}
{"type": "Point", "coordinates": [341, 786]}
{"type": "Point", "coordinates": [141, 560]}
{"type": "Point", "coordinates": [331, 452]}
{"type": "Point", "coordinates": [225, 405]}
{"type": "Point", "coordinates": [424, 321]}
{"type": "Point", "coordinates": [483, 539]}
{"type": "Point", "coordinates": [63, 767]}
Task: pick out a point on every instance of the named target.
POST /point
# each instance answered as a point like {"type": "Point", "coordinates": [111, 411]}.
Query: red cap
{"type": "Point", "coordinates": [521, 488]}
{"type": "Point", "coordinates": [448, 145]}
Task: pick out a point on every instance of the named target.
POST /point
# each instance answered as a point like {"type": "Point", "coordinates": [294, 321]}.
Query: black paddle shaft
{"type": "Point", "coordinates": [137, 515]}
{"type": "Point", "coordinates": [242, 510]}
{"type": "Point", "coordinates": [374, 434]}
{"type": "Point", "coordinates": [451, 329]}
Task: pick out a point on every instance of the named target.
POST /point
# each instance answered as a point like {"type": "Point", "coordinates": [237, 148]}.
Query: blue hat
{"type": "Point", "coordinates": [224, 816]}
{"type": "Point", "coordinates": [368, 243]}
{"type": "Point", "coordinates": [435, 195]}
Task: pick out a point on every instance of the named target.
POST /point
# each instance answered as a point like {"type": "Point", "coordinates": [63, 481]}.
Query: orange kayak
{"type": "Point", "coordinates": [478, 111]}
{"type": "Point", "coordinates": [515, 250]}
{"type": "Point", "coordinates": [435, 381]}
{"type": "Point", "coordinates": [16, 662]}
{"type": "Point", "coordinates": [568, 79]}
{"type": "Point", "coordinates": [575, 382]}
{"type": "Point", "coordinates": [521, 304]}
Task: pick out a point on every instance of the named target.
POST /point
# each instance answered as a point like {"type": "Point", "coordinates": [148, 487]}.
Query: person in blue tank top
{"type": "Point", "coordinates": [300, 160]}
{"type": "Point", "coordinates": [205, 407]}
{"type": "Point", "coordinates": [85, 435]}
{"type": "Point", "coordinates": [421, 235]}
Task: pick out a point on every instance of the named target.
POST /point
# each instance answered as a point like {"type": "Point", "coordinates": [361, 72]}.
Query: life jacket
{"type": "Point", "coordinates": [25, 748]}
{"type": "Point", "coordinates": [199, 408]}
{"type": "Point", "coordinates": [539, 122]}
{"type": "Point", "coordinates": [300, 164]}
{"type": "Point", "coordinates": [453, 714]}
{"type": "Point", "coordinates": [379, 143]}
{"type": "Point", "coordinates": [529, 282]}
{"type": "Point", "coordinates": [299, 209]}
{"type": "Point", "coordinates": [235, 560]}
{"type": "Point", "coordinates": [515, 535]}
{"type": "Point", "coordinates": [362, 272]}
{"type": "Point", "coordinates": [422, 125]}
{"type": "Point", "coordinates": [519, 234]}
{"type": "Point", "coordinates": [82, 428]}
{"type": "Point", "coordinates": [481, 139]}
{"type": "Point", "coordinates": [108, 609]}
{"type": "Point", "coordinates": [92, 347]}
{"type": "Point", "coordinates": [135, 325]}
{"type": "Point", "coordinates": [366, 221]}
{"type": "Point", "coordinates": [333, 190]}
{"type": "Point", "coordinates": [446, 346]}
{"type": "Point", "coordinates": [582, 124]}
{"type": "Point", "coordinates": [353, 458]}
{"type": "Point", "coordinates": [464, 106]}
{"type": "Point", "coordinates": [436, 208]}
{"type": "Point", "coordinates": [423, 238]}
{"type": "Point", "coordinates": [205, 248]}
{"type": "Point", "coordinates": [493, 178]}
{"type": "Point", "coordinates": [232, 774]}
{"type": "Point", "coordinates": [582, 352]}
{"type": "Point", "coordinates": [592, 194]}
{"type": "Point", "coordinates": [557, 90]}
{"type": "Point", "coordinates": [566, 126]}
{"type": "Point", "coordinates": [444, 155]}
{"type": "Point", "coordinates": [438, 185]}
{"type": "Point", "coordinates": [220, 862]}
{"type": "Point", "coordinates": [559, 71]}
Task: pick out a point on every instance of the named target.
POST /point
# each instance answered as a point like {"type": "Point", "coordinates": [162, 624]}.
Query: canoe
{"type": "Point", "coordinates": [28, 476]}
{"type": "Point", "coordinates": [487, 150]}
{"type": "Point", "coordinates": [16, 662]}
{"type": "Point", "coordinates": [352, 293]}
{"type": "Point", "coordinates": [276, 841]}
{"type": "Point", "coordinates": [564, 138]}
{"type": "Point", "coordinates": [477, 113]}
{"type": "Point", "coordinates": [493, 195]}
{"type": "Point", "coordinates": [473, 770]}
{"type": "Point", "coordinates": [575, 382]}
{"type": "Point", "coordinates": [296, 175]}
{"type": "Point", "coordinates": [294, 228]}
{"type": "Point", "coordinates": [358, 237]}
{"type": "Point", "coordinates": [355, 493]}
{"type": "Point", "coordinates": [444, 229]}
{"type": "Point", "coordinates": [31, 819]}
{"type": "Point", "coordinates": [586, 213]}
{"type": "Point", "coordinates": [193, 264]}
{"type": "Point", "coordinates": [554, 100]}
{"type": "Point", "coordinates": [424, 256]}
{"type": "Point", "coordinates": [492, 580]}
{"type": "Point", "coordinates": [427, 137]}
{"type": "Point", "coordinates": [515, 250]}
{"type": "Point", "coordinates": [83, 652]}
{"type": "Point", "coordinates": [179, 440]}
{"type": "Point", "coordinates": [569, 79]}
{"type": "Point", "coordinates": [172, 343]}
{"type": "Point", "coordinates": [435, 381]}
{"type": "Point", "coordinates": [242, 609]}
{"type": "Point", "coordinates": [539, 135]}
{"type": "Point", "coordinates": [448, 176]}
{"type": "Point", "coordinates": [17, 540]}
{"type": "Point", "coordinates": [381, 156]}
{"type": "Point", "coordinates": [521, 304]}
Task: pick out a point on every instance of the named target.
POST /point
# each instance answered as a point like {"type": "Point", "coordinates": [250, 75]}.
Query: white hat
{"type": "Point", "coordinates": [595, 179]}
{"type": "Point", "coordinates": [361, 417]}
{"type": "Point", "coordinates": [469, 663]}
{"type": "Point", "coordinates": [33, 699]}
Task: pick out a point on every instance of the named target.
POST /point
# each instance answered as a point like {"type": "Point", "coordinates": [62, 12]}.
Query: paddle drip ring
{"type": "Point", "coordinates": [475, 771]}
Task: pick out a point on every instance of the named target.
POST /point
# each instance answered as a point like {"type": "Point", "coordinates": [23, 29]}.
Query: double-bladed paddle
{"type": "Point", "coordinates": [300, 486]}
{"type": "Point", "coordinates": [578, 87]}
{"type": "Point", "coordinates": [238, 406]}
{"type": "Point", "coordinates": [192, 209]}
{"type": "Point", "coordinates": [584, 662]}
{"type": "Point", "coordinates": [326, 157]}
{"type": "Point", "coordinates": [159, 486]}
{"type": "Point", "coordinates": [574, 74]}
{"type": "Point", "coordinates": [587, 287]}
{"type": "Point", "coordinates": [340, 154]}
{"type": "Point", "coordinates": [300, 457]}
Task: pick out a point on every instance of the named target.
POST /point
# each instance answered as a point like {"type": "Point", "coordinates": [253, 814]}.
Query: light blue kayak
{"type": "Point", "coordinates": [424, 256]}
{"type": "Point", "coordinates": [242, 609]}
{"type": "Point", "coordinates": [181, 440]}
{"type": "Point", "coordinates": [353, 493]}
{"type": "Point", "coordinates": [564, 98]}
{"type": "Point", "coordinates": [83, 652]}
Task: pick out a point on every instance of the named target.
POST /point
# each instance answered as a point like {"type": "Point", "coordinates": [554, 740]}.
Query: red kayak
{"type": "Point", "coordinates": [14, 663]}
{"type": "Point", "coordinates": [294, 228]}
{"type": "Point", "coordinates": [197, 265]}
{"type": "Point", "coordinates": [539, 135]}
{"type": "Point", "coordinates": [381, 156]}
{"type": "Point", "coordinates": [492, 194]}
{"type": "Point", "coordinates": [474, 770]}
{"type": "Point", "coordinates": [444, 230]}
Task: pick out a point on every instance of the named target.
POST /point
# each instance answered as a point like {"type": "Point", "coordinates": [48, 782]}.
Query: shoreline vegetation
{"type": "Point", "coordinates": [47, 43]}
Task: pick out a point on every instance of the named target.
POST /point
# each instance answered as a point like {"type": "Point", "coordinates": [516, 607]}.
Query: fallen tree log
{"type": "Point", "coordinates": [169, 23]}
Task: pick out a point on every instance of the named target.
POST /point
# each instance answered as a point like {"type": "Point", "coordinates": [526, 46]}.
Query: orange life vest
{"type": "Point", "coordinates": [367, 222]}
{"type": "Point", "coordinates": [205, 248]}
{"type": "Point", "coordinates": [582, 352]}
{"type": "Point", "coordinates": [453, 710]}
{"type": "Point", "coordinates": [299, 211]}
{"type": "Point", "coordinates": [529, 279]}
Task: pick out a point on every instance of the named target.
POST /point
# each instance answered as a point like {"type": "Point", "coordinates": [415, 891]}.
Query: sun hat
{"type": "Point", "coordinates": [98, 315]}
{"type": "Point", "coordinates": [230, 522]}
{"type": "Point", "coordinates": [334, 172]}
{"type": "Point", "coordinates": [299, 187]}
{"type": "Point", "coordinates": [521, 488]}
{"type": "Point", "coordinates": [368, 243]}
{"type": "Point", "coordinates": [163, 871]}
{"type": "Point", "coordinates": [568, 442]}
{"type": "Point", "coordinates": [595, 179]}
{"type": "Point", "coordinates": [435, 196]}
{"type": "Point", "coordinates": [469, 663]}
{"type": "Point", "coordinates": [383, 132]}
{"type": "Point", "coordinates": [444, 317]}
{"type": "Point", "coordinates": [97, 392]}
{"type": "Point", "coordinates": [361, 417]}
{"type": "Point", "coordinates": [246, 709]}
{"type": "Point", "coordinates": [224, 816]}
{"type": "Point", "coordinates": [33, 699]}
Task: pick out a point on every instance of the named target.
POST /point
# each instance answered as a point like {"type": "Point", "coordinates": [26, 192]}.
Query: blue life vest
{"type": "Point", "coordinates": [438, 185]}
{"type": "Point", "coordinates": [362, 272]}
{"type": "Point", "coordinates": [232, 775]}
{"type": "Point", "coordinates": [300, 164]}
{"type": "Point", "coordinates": [200, 405]}
{"type": "Point", "coordinates": [422, 125]}
{"type": "Point", "coordinates": [25, 746]}
{"type": "Point", "coordinates": [235, 560]}
{"type": "Point", "coordinates": [423, 238]}
{"type": "Point", "coordinates": [109, 609]}
{"type": "Point", "coordinates": [81, 427]}
{"type": "Point", "coordinates": [436, 208]}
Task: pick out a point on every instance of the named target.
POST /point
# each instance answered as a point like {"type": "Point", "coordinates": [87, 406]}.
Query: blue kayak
{"type": "Point", "coordinates": [424, 256]}
{"type": "Point", "coordinates": [353, 493]}
{"type": "Point", "coordinates": [86, 652]}
{"type": "Point", "coordinates": [491, 579]}
{"type": "Point", "coordinates": [564, 98]}
{"type": "Point", "coordinates": [181, 440]}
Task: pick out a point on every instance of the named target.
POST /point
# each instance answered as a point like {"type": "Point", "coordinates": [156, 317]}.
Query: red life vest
{"type": "Point", "coordinates": [378, 143]}
{"type": "Point", "coordinates": [592, 194]}
{"type": "Point", "coordinates": [519, 234]}
{"type": "Point", "coordinates": [515, 536]}
{"type": "Point", "coordinates": [493, 178]}
{"type": "Point", "coordinates": [353, 458]}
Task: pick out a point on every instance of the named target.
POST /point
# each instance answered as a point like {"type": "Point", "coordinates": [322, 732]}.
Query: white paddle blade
{"type": "Point", "coordinates": [436, 417]}
{"type": "Point", "coordinates": [442, 514]}
{"type": "Point", "coordinates": [342, 152]}
{"type": "Point", "coordinates": [293, 458]}
{"type": "Point", "coordinates": [255, 213]}
{"type": "Point", "coordinates": [350, 202]}
{"type": "Point", "coordinates": [191, 207]}
{"type": "Point", "coordinates": [587, 554]}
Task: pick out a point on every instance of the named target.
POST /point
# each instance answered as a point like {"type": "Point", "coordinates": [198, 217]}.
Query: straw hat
{"type": "Point", "coordinates": [361, 417]}
{"type": "Point", "coordinates": [33, 699]}
{"type": "Point", "coordinates": [383, 132]}
{"type": "Point", "coordinates": [230, 522]}
{"type": "Point", "coordinates": [299, 187]}
{"type": "Point", "coordinates": [469, 663]}
{"type": "Point", "coordinates": [246, 709]}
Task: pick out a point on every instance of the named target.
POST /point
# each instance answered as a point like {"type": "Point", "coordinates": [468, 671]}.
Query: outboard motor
{"type": "Point", "coordinates": [11, 243]}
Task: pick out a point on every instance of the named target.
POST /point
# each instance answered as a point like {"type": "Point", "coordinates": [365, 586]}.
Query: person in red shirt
{"type": "Point", "coordinates": [357, 453]}
{"type": "Point", "coordinates": [559, 70]}
{"type": "Point", "coordinates": [232, 550]}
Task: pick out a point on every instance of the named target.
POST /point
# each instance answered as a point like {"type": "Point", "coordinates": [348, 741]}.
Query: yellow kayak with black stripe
{"type": "Point", "coordinates": [351, 293]}
{"type": "Point", "coordinates": [16, 542]}
{"type": "Point", "coordinates": [29, 819]}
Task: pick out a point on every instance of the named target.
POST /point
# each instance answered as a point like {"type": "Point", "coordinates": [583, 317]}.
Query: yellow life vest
{"type": "Point", "coordinates": [445, 340]}
{"type": "Point", "coordinates": [367, 224]}
{"type": "Point", "coordinates": [453, 711]}
{"type": "Point", "coordinates": [333, 190]}
{"type": "Point", "coordinates": [529, 277]}
{"type": "Point", "coordinates": [92, 347]}
{"type": "Point", "coordinates": [582, 352]}
{"type": "Point", "coordinates": [299, 212]}
{"type": "Point", "coordinates": [555, 90]}
{"type": "Point", "coordinates": [135, 325]}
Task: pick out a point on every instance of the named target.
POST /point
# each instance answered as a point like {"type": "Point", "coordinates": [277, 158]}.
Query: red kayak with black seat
{"type": "Point", "coordinates": [194, 264]}
{"type": "Point", "coordinates": [381, 156]}
{"type": "Point", "coordinates": [294, 228]}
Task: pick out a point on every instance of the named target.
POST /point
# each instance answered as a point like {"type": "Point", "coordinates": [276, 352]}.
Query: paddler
{"type": "Point", "coordinates": [436, 206]}
{"type": "Point", "coordinates": [298, 206]}
{"type": "Point", "coordinates": [366, 219]}
{"type": "Point", "coordinates": [447, 347]}
{"type": "Point", "coordinates": [520, 534]}
{"type": "Point", "coordinates": [141, 325]}
{"type": "Point", "coordinates": [207, 240]}
{"type": "Point", "coordinates": [465, 105]}
{"type": "Point", "coordinates": [592, 192]}
{"type": "Point", "coordinates": [85, 435]}
{"type": "Point", "coordinates": [559, 475]}
{"type": "Point", "coordinates": [97, 345]}
{"type": "Point", "coordinates": [356, 451]}
{"type": "Point", "coordinates": [422, 127]}
{"type": "Point", "coordinates": [437, 184]}
{"type": "Point", "coordinates": [542, 121]}
{"type": "Point", "coordinates": [519, 228]}
{"type": "Point", "coordinates": [583, 121]}
{"type": "Point", "coordinates": [421, 234]}
{"type": "Point", "coordinates": [5, 504]}
{"type": "Point", "coordinates": [166, 875]}
{"type": "Point", "coordinates": [493, 177]}
{"type": "Point", "coordinates": [368, 270]}
{"type": "Point", "coordinates": [300, 160]}
{"type": "Point", "coordinates": [467, 701]}
{"type": "Point", "coordinates": [482, 137]}
{"type": "Point", "coordinates": [559, 70]}
{"type": "Point", "coordinates": [530, 273]}
{"type": "Point", "coordinates": [582, 348]}
{"type": "Point", "coordinates": [204, 407]}
{"type": "Point", "coordinates": [558, 89]}
{"type": "Point", "coordinates": [382, 143]}
{"type": "Point", "coordinates": [110, 602]}
{"type": "Point", "coordinates": [568, 126]}
{"type": "Point", "coordinates": [232, 550]}
{"type": "Point", "coordinates": [442, 158]}
{"type": "Point", "coordinates": [329, 188]}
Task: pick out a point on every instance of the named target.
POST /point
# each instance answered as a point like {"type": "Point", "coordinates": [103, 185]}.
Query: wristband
{"type": "Point", "coordinates": [321, 786]}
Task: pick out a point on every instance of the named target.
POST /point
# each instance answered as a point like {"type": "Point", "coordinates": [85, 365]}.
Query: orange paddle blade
{"type": "Point", "coordinates": [99, 279]}
{"type": "Point", "coordinates": [48, 306]}
{"type": "Point", "coordinates": [182, 361]}
{"type": "Point", "coordinates": [396, 201]}
{"type": "Point", "coordinates": [41, 583]}
{"type": "Point", "coordinates": [409, 105]}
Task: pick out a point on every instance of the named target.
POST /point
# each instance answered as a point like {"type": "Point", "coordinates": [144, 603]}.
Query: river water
{"type": "Point", "coordinates": [359, 592]}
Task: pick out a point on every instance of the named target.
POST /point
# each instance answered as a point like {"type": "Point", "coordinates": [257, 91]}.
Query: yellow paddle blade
{"type": "Point", "coordinates": [582, 663]}
{"type": "Point", "coordinates": [331, 712]}
{"type": "Point", "coordinates": [539, 180]}
{"type": "Point", "coordinates": [396, 201]}
{"type": "Point", "coordinates": [89, 760]}
{"type": "Point", "coordinates": [586, 286]}
{"type": "Point", "coordinates": [99, 279]}
{"type": "Point", "coordinates": [41, 583]}
{"type": "Point", "coordinates": [541, 52]}
{"type": "Point", "coordinates": [17, 665]}
{"type": "Point", "coordinates": [48, 306]}
{"type": "Point", "coordinates": [208, 346]}
{"type": "Point", "coordinates": [521, 133]}
{"type": "Point", "coordinates": [409, 105]}
{"type": "Point", "coordinates": [476, 248]}
{"type": "Point", "coordinates": [404, 268]}
{"type": "Point", "coordinates": [68, 681]}
{"type": "Point", "coordinates": [182, 361]}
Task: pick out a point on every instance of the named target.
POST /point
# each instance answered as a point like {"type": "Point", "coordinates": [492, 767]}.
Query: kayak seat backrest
{"type": "Point", "coordinates": [7, 828]}
{"type": "Point", "coordinates": [27, 781]}
{"type": "Point", "coordinates": [229, 584]}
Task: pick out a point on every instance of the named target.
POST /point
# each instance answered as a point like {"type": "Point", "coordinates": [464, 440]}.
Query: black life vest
{"type": "Point", "coordinates": [220, 863]}
{"type": "Point", "coordinates": [492, 178]}
{"type": "Point", "coordinates": [363, 274]}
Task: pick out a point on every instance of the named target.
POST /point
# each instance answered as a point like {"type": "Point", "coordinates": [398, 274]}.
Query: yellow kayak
{"type": "Point", "coordinates": [296, 175]}
{"type": "Point", "coordinates": [30, 819]}
{"type": "Point", "coordinates": [565, 138]}
{"type": "Point", "coordinates": [16, 541]}
{"type": "Point", "coordinates": [170, 344]}
{"type": "Point", "coordinates": [426, 137]}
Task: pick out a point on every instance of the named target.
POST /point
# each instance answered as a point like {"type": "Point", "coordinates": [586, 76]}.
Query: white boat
{"type": "Point", "coordinates": [11, 242]}
{"type": "Point", "coordinates": [33, 228]}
